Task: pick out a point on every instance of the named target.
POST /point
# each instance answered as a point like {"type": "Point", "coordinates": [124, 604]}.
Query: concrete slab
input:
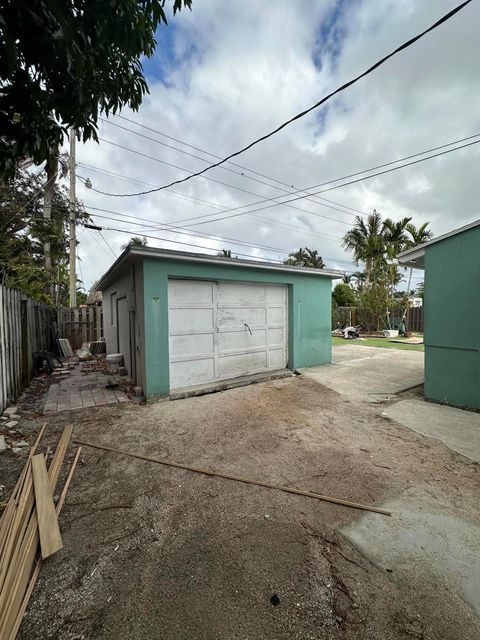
{"type": "Point", "coordinates": [459, 430]}
{"type": "Point", "coordinates": [422, 543]}
{"type": "Point", "coordinates": [369, 373]}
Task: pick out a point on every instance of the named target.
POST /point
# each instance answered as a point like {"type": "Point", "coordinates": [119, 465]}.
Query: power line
{"type": "Point", "coordinates": [373, 175]}
{"type": "Point", "coordinates": [169, 192]}
{"type": "Point", "coordinates": [343, 87]}
{"type": "Point", "coordinates": [351, 175]}
{"type": "Point", "coordinates": [213, 205]}
{"type": "Point", "coordinates": [225, 184]}
{"type": "Point", "coordinates": [188, 244]}
{"type": "Point", "coordinates": [159, 227]}
{"type": "Point", "coordinates": [238, 173]}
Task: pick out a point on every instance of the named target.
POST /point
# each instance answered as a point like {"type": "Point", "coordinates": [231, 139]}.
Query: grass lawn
{"type": "Point", "coordinates": [377, 342]}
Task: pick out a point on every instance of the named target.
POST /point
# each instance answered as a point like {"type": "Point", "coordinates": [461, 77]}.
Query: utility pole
{"type": "Point", "coordinates": [73, 227]}
{"type": "Point", "coordinates": [51, 170]}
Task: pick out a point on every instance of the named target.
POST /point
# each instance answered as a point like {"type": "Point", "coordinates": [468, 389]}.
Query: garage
{"type": "Point", "coordinates": [197, 319]}
{"type": "Point", "coordinates": [222, 330]}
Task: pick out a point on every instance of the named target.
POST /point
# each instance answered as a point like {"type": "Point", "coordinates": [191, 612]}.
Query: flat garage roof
{"type": "Point", "coordinates": [133, 252]}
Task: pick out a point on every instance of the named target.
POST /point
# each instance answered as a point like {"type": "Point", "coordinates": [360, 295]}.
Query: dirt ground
{"type": "Point", "coordinates": [154, 552]}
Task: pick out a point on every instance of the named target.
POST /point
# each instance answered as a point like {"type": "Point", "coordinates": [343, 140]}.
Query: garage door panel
{"type": "Point", "coordinates": [181, 292]}
{"type": "Point", "coordinates": [192, 372]}
{"type": "Point", "coordinates": [237, 340]}
{"type": "Point", "coordinates": [240, 294]}
{"type": "Point", "coordinates": [276, 358]}
{"type": "Point", "coordinates": [276, 315]}
{"type": "Point", "coordinates": [184, 321]}
{"type": "Point", "coordinates": [241, 364]}
{"type": "Point", "coordinates": [237, 317]}
{"type": "Point", "coordinates": [276, 295]}
{"type": "Point", "coordinates": [276, 337]}
{"type": "Point", "coordinates": [185, 345]}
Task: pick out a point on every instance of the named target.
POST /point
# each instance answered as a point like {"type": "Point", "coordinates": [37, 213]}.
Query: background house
{"type": "Point", "coordinates": [452, 314]}
{"type": "Point", "coordinates": [183, 319]}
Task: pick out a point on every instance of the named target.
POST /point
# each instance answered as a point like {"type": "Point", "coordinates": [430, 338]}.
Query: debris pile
{"type": "Point", "coordinates": [29, 530]}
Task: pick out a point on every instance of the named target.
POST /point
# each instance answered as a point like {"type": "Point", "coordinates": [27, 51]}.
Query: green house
{"type": "Point", "coordinates": [451, 314]}
{"type": "Point", "coordinates": [184, 320]}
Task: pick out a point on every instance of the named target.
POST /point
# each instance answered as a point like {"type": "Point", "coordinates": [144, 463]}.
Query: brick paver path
{"type": "Point", "coordinates": [80, 388]}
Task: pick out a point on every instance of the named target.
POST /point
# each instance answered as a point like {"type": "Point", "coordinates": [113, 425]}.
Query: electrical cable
{"type": "Point", "coordinates": [303, 113]}
{"type": "Point", "coordinates": [188, 244]}
{"type": "Point", "coordinates": [210, 204]}
{"type": "Point", "coordinates": [373, 175]}
{"type": "Point", "coordinates": [242, 174]}
{"type": "Point", "coordinates": [225, 184]}
{"type": "Point", "coordinates": [233, 241]}
{"type": "Point", "coordinates": [169, 192]}
{"type": "Point", "coordinates": [352, 175]}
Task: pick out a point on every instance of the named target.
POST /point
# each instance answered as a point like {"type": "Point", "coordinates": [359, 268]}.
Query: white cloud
{"type": "Point", "coordinates": [244, 67]}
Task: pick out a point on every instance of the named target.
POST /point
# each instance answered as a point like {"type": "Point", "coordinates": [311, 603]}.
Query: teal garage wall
{"type": "Point", "coordinates": [309, 312]}
{"type": "Point", "coordinates": [452, 320]}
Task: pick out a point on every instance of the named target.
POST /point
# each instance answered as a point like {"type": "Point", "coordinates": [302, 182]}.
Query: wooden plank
{"type": "Point", "coordinates": [3, 383]}
{"type": "Point", "coordinates": [12, 502]}
{"type": "Point", "coordinates": [48, 529]}
{"type": "Point", "coordinates": [226, 476]}
{"type": "Point", "coordinates": [38, 564]}
{"type": "Point", "coordinates": [19, 573]}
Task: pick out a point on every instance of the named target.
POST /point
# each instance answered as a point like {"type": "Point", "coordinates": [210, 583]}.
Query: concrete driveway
{"type": "Point", "coordinates": [369, 373]}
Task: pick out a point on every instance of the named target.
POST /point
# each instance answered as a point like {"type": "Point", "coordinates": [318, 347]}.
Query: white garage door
{"type": "Point", "coordinates": [221, 330]}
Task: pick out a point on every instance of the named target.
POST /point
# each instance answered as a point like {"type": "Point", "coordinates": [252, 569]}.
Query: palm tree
{"type": "Point", "coordinates": [306, 258]}
{"type": "Point", "coordinates": [418, 235]}
{"type": "Point", "coordinates": [135, 241]}
{"type": "Point", "coordinates": [365, 240]}
{"type": "Point", "coordinates": [395, 241]}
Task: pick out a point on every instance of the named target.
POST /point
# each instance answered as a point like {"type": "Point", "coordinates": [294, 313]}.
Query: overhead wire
{"type": "Point", "coordinates": [225, 184]}
{"type": "Point", "coordinates": [160, 227]}
{"type": "Point", "coordinates": [169, 192]}
{"type": "Point", "coordinates": [345, 184]}
{"type": "Point", "coordinates": [247, 255]}
{"type": "Point", "coordinates": [303, 113]}
{"type": "Point", "coordinates": [315, 200]}
{"type": "Point", "coordinates": [212, 205]}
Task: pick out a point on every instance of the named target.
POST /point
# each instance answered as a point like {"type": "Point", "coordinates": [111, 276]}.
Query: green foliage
{"type": "Point", "coordinates": [344, 295]}
{"type": "Point", "coordinates": [64, 63]}
{"type": "Point", "coordinates": [305, 258]}
{"type": "Point", "coordinates": [376, 243]}
{"type": "Point", "coordinates": [82, 298]}
{"type": "Point", "coordinates": [135, 241]}
{"type": "Point", "coordinates": [225, 253]}
{"type": "Point", "coordinates": [23, 232]}
{"type": "Point", "coordinates": [421, 290]}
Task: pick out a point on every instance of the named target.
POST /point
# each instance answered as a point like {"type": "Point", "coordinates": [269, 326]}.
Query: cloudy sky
{"type": "Point", "coordinates": [228, 72]}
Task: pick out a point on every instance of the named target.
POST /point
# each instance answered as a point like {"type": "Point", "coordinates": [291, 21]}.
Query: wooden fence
{"type": "Point", "coordinates": [83, 324]}
{"type": "Point", "coordinates": [25, 326]}
{"type": "Point", "coordinates": [359, 316]}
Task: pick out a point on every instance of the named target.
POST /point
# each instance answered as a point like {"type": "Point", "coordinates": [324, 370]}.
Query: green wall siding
{"type": "Point", "coordinates": [309, 312]}
{"type": "Point", "coordinates": [452, 320]}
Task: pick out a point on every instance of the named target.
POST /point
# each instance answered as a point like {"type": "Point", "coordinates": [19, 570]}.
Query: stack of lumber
{"type": "Point", "coordinates": [29, 530]}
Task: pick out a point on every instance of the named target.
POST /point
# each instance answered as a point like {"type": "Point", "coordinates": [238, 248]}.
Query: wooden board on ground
{"type": "Point", "coordinates": [49, 531]}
